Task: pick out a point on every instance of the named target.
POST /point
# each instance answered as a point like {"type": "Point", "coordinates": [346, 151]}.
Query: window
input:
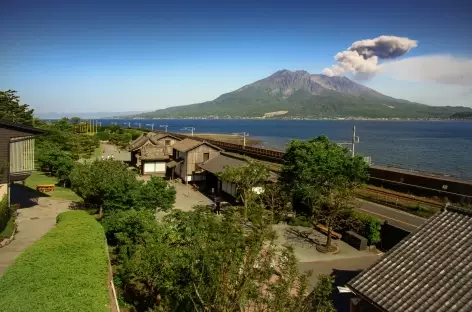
{"type": "Point", "coordinates": [167, 142]}
{"type": "Point", "coordinates": [206, 156]}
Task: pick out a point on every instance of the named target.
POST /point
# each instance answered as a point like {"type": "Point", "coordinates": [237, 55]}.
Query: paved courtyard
{"type": "Point", "coordinates": [304, 241]}
{"type": "Point", "coordinates": [33, 223]}
{"type": "Point", "coordinates": [186, 198]}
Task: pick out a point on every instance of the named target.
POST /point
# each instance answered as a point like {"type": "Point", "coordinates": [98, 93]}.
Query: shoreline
{"type": "Point", "coordinates": [280, 119]}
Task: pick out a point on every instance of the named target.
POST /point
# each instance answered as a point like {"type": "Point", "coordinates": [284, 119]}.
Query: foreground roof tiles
{"type": "Point", "coordinates": [430, 270]}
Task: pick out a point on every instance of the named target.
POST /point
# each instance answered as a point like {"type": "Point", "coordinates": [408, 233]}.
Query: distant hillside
{"type": "Point", "coordinates": [56, 115]}
{"type": "Point", "coordinates": [304, 95]}
{"type": "Point", "coordinates": [462, 115]}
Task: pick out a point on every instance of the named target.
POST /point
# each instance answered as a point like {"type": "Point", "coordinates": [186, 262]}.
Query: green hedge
{"type": "Point", "coordinates": [5, 213]}
{"type": "Point", "coordinates": [367, 226]}
{"type": "Point", "coordinates": [66, 270]}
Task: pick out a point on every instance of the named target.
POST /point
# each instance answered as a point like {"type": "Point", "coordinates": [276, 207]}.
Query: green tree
{"type": "Point", "coordinates": [75, 120]}
{"type": "Point", "coordinates": [276, 199]}
{"type": "Point", "coordinates": [246, 178]}
{"type": "Point", "coordinates": [155, 193]}
{"type": "Point", "coordinates": [108, 185]}
{"type": "Point", "coordinates": [322, 175]}
{"type": "Point", "coordinates": [320, 295]}
{"type": "Point", "coordinates": [198, 261]}
{"type": "Point", "coordinates": [11, 109]}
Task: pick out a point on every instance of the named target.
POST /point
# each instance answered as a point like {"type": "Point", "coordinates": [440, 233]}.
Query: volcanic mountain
{"type": "Point", "coordinates": [301, 94]}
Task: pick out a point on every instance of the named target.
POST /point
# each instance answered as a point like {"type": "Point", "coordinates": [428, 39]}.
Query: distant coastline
{"type": "Point", "coordinates": [293, 118]}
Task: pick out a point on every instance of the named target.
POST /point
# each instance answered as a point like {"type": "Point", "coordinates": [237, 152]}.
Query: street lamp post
{"type": "Point", "coordinates": [189, 129]}
{"type": "Point", "coordinates": [244, 135]}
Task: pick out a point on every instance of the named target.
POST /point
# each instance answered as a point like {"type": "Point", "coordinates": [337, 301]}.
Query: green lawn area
{"type": "Point", "coordinates": [59, 192]}
{"type": "Point", "coordinates": [66, 270]}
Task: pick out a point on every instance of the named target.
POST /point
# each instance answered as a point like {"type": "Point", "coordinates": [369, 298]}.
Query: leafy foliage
{"type": "Point", "coordinates": [367, 226]}
{"type": "Point", "coordinates": [110, 186]}
{"type": "Point", "coordinates": [245, 178]}
{"type": "Point", "coordinates": [11, 109]}
{"type": "Point", "coordinates": [154, 193]}
{"type": "Point", "coordinates": [45, 276]}
{"type": "Point", "coordinates": [5, 212]}
{"type": "Point", "coordinates": [103, 136]}
{"type": "Point", "coordinates": [322, 176]}
{"type": "Point", "coordinates": [276, 199]}
{"type": "Point", "coordinates": [321, 293]}
{"type": "Point", "coordinates": [198, 261]}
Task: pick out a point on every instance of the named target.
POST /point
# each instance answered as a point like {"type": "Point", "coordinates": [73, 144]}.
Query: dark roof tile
{"type": "Point", "coordinates": [430, 270]}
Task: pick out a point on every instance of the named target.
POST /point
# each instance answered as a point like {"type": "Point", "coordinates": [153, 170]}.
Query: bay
{"type": "Point", "coordinates": [443, 147]}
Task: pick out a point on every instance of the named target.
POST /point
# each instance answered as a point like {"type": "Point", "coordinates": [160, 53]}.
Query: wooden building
{"type": "Point", "coordinates": [150, 139]}
{"type": "Point", "coordinates": [153, 159]}
{"type": "Point", "coordinates": [16, 153]}
{"type": "Point", "coordinates": [225, 189]}
{"type": "Point", "coordinates": [188, 155]}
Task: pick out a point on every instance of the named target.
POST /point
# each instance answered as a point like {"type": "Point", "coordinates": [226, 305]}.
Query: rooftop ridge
{"type": "Point", "coordinates": [462, 210]}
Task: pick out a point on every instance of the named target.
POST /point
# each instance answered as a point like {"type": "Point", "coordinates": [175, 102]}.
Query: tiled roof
{"type": "Point", "coordinates": [152, 137]}
{"type": "Point", "coordinates": [188, 144]}
{"type": "Point", "coordinates": [217, 164]}
{"type": "Point", "coordinates": [430, 270]}
{"type": "Point", "coordinates": [154, 152]}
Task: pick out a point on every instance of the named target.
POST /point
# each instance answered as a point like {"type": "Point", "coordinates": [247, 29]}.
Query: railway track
{"type": "Point", "coordinates": [405, 198]}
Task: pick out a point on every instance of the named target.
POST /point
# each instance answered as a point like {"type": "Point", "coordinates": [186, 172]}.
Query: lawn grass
{"type": "Point", "coordinates": [59, 192]}
{"type": "Point", "coordinates": [66, 270]}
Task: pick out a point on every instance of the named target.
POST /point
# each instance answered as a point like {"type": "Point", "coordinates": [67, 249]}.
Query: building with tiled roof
{"type": "Point", "coordinates": [429, 270]}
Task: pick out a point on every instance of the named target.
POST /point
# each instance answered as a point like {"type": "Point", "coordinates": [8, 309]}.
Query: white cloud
{"type": "Point", "coordinates": [443, 69]}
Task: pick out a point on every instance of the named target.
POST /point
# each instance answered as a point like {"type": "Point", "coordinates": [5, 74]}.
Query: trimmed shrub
{"type": "Point", "coordinates": [66, 270]}
{"type": "Point", "coordinates": [367, 226]}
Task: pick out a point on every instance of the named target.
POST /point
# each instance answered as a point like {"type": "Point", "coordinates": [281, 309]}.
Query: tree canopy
{"type": "Point", "coordinates": [246, 177]}
{"type": "Point", "coordinates": [110, 186]}
{"type": "Point", "coordinates": [198, 261]}
{"type": "Point", "coordinates": [11, 109]}
{"type": "Point", "coordinates": [322, 175]}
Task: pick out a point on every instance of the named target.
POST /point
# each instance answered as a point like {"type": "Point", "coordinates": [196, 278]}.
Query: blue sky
{"type": "Point", "coordinates": [126, 56]}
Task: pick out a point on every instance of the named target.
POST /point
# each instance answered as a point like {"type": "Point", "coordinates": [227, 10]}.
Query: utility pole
{"type": "Point", "coordinates": [163, 126]}
{"type": "Point", "coordinates": [152, 126]}
{"type": "Point", "coordinates": [189, 129]}
{"type": "Point", "coordinates": [355, 140]}
{"type": "Point", "coordinates": [244, 135]}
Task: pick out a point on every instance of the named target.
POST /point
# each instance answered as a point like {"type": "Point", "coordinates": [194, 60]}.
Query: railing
{"type": "Point", "coordinates": [22, 154]}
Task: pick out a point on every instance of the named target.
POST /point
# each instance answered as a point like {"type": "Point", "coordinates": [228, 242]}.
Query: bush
{"type": "Point", "coordinates": [66, 270]}
{"type": "Point", "coordinates": [5, 213]}
{"type": "Point", "coordinates": [300, 220]}
{"type": "Point", "coordinates": [367, 226]}
{"type": "Point", "coordinates": [103, 136]}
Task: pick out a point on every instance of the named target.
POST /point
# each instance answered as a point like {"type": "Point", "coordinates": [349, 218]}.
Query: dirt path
{"type": "Point", "coordinates": [33, 223]}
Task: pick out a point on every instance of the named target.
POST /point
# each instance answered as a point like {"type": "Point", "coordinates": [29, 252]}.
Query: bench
{"type": "Point", "coordinates": [45, 188]}
{"type": "Point", "coordinates": [324, 230]}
